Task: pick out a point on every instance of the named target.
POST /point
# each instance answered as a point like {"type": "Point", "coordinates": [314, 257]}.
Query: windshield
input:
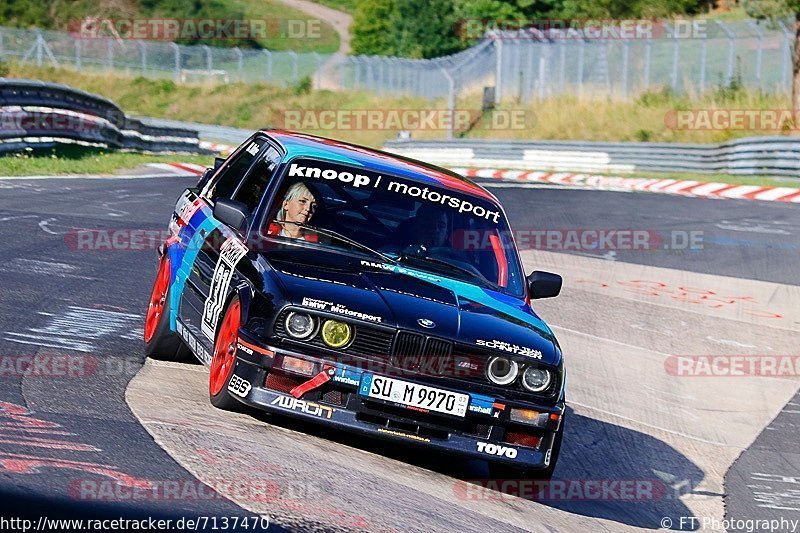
{"type": "Point", "coordinates": [423, 226]}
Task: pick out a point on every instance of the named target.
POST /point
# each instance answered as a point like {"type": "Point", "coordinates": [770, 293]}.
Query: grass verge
{"type": "Point", "coordinates": [82, 160]}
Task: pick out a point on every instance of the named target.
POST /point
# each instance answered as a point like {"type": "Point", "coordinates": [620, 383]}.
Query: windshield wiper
{"type": "Point", "coordinates": [426, 258]}
{"type": "Point", "coordinates": [337, 235]}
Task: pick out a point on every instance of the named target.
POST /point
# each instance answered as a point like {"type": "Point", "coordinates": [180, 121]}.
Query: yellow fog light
{"type": "Point", "coordinates": [335, 334]}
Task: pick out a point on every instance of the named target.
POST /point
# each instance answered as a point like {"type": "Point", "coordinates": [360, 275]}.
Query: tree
{"type": "Point", "coordinates": [423, 29]}
{"type": "Point", "coordinates": [371, 27]}
{"type": "Point", "coordinates": [405, 28]}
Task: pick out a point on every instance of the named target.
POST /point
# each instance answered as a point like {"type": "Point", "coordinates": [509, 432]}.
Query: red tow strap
{"type": "Point", "coordinates": [313, 383]}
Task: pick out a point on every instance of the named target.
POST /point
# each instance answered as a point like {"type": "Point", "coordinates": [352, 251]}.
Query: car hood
{"type": "Point", "coordinates": [410, 299]}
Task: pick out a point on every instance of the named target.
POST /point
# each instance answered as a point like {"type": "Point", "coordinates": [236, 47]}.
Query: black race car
{"type": "Point", "coordinates": [365, 291]}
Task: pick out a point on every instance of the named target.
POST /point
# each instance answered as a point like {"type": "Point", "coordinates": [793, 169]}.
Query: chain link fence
{"type": "Point", "coordinates": [523, 66]}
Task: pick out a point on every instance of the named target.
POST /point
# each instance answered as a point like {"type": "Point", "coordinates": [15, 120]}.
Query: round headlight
{"type": "Point", "coordinates": [299, 325]}
{"type": "Point", "coordinates": [502, 371]}
{"type": "Point", "coordinates": [536, 379]}
{"type": "Point", "coordinates": [335, 334]}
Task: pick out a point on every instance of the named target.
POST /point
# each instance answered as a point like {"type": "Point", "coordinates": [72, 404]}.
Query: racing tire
{"type": "Point", "coordinates": [502, 471]}
{"type": "Point", "coordinates": [223, 360]}
{"type": "Point", "coordinates": [160, 342]}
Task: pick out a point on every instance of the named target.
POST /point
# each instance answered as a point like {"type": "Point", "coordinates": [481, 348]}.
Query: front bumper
{"type": "Point", "coordinates": [480, 434]}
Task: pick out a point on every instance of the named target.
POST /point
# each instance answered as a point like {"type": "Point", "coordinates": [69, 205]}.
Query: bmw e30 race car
{"type": "Point", "coordinates": [364, 291]}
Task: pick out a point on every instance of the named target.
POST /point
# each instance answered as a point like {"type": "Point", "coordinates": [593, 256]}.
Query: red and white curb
{"type": "Point", "coordinates": [217, 147]}
{"type": "Point", "coordinates": [180, 169]}
{"type": "Point", "coordinates": [698, 189]}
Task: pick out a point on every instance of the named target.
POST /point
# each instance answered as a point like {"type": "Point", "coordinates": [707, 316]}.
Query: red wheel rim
{"type": "Point", "coordinates": [225, 349]}
{"type": "Point", "coordinates": [157, 300]}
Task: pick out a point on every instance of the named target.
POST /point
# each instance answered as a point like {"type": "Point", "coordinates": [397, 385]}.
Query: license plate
{"type": "Point", "coordinates": [414, 395]}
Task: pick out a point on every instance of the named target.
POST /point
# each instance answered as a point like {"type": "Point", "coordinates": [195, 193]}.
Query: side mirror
{"type": "Point", "coordinates": [210, 172]}
{"type": "Point", "coordinates": [544, 284]}
{"type": "Point", "coordinates": [231, 213]}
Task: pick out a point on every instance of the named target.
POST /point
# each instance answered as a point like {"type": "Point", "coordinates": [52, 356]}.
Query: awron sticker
{"type": "Point", "coordinates": [230, 254]}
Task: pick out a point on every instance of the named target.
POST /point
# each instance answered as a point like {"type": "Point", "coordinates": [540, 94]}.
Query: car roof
{"type": "Point", "coordinates": [304, 145]}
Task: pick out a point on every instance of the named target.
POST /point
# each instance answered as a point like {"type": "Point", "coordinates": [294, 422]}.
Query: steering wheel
{"type": "Point", "coordinates": [457, 257]}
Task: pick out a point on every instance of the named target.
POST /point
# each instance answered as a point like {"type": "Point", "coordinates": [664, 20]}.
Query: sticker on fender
{"type": "Point", "coordinates": [229, 255]}
{"type": "Point", "coordinates": [414, 395]}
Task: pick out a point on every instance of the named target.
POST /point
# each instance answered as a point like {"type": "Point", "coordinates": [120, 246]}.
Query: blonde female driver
{"type": "Point", "coordinates": [298, 206]}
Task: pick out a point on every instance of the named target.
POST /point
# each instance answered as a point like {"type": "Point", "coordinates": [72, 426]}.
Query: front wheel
{"type": "Point", "coordinates": [224, 359]}
{"type": "Point", "coordinates": [160, 342]}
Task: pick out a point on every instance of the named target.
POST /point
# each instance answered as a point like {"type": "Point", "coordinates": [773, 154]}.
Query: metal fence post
{"type": "Point", "coordinates": [239, 63]}
{"type": "Point", "coordinates": [110, 54]}
{"type": "Point", "coordinates": [673, 78]}
{"type": "Point", "coordinates": [177, 61]}
{"type": "Point", "coordinates": [581, 51]}
{"type": "Point", "coordinates": [353, 60]}
{"type": "Point", "coordinates": [625, 51]}
{"type": "Point", "coordinates": [531, 80]}
{"type": "Point", "coordinates": [78, 62]}
{"type": "Point", "coordinates": [703, 61]}
{"type": "Point", "coordinates": [562, 60]}
{"type": "Point", "coordinates": [316, 68]}
{"type": "Point", "coordinates": [517, 69]}
{"type": "Point", "coordinates": [606, 73]}
{"type": "Point", "coordinates": [369, 73]}
{"type": "Point", "coordinates": [786, 58]}
{"type": "Point", "coordinates": [759, 51]}
{"type": "Point", "coordinates": [39, 40]}
{"type": "Point", "coordinates": [451, 102]}
{"type": "Point", "coordinates": [209, 61]}
{"type": "Point", "coordinates": [269, 64]}
{"type": "Point", "coordinates": [382, 76]}
{"type": "Point", "coordinates": [731, 43]}
{"type": "Point", "coordinates": [542, 70]}
{"type": "Point", "coordinates": [295, 71]}
{"type": "Point", "coordinates": [648, 53]}
{"type": "Point", "coordinates": [143, 53]}
{"type": "Point", "coordinates": [498, 75]}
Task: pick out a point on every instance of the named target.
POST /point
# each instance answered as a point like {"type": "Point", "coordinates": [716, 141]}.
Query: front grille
{"type": "Point", "coordinates": [417, 353]}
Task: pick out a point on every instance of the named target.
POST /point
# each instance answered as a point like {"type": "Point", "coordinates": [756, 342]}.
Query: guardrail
{"type": "Point", "coordinates": [35, 114]}
{"type": "Point", "coordinates": [767, 156]}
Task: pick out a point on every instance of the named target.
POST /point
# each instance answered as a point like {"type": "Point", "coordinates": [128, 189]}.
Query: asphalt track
{"type": "Point", "coordinates": [621, 316]}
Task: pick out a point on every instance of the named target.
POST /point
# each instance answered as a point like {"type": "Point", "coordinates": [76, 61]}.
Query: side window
{"type": "Point", "coordinates": [232, 174]}
{"type": "Point", "coordinates": [254, 185]}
